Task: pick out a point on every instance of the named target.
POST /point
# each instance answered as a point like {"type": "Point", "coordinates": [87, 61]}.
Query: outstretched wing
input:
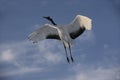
{"type": "Point", "coordinates": [79, 25]}
{"type": "Point", "coordinates": [46, 32]}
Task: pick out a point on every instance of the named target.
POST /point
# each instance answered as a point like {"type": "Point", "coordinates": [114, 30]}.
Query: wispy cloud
{"type": "Point", "coordinates": [111, 55]}
{"type": "Point", "coordinates": [6, 55]}
{"type": "Point", "coordinates": [99, 74]}
{"type": "Point", "coordinates": [21, 71]}
{"type": "Point", "coordinates": [88, 36]}
{"type": "Point", "coordinates": [27, 57]}
{"type": "Point", "coordinates": [44, 3]}
{"type": "Point", "coordinates": [86, 40]}
{"type": "Point", "coordinates": [92, 73]}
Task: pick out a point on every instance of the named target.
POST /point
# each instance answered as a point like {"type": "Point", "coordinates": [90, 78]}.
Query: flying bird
{"type": "Point", "coordinates": [65, 33]}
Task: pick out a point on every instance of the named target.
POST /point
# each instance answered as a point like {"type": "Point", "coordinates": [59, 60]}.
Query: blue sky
{"type": "Point", "coordinates": [96, 52]}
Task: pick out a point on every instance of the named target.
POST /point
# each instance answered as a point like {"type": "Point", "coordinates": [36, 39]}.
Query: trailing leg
{"type": "Point", "coordinates": [66, 52]}
{"type": "Point", "coordinates": [70, 52]}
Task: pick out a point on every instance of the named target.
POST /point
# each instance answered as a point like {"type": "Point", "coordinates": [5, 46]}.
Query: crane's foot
{"type": "Point", "coordinates": [68, 60]}
{"type": "Point", "coordinates": [72, 59]}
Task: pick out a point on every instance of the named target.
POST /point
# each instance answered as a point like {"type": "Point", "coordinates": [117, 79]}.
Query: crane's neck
{"type": "Point", "coordinates": [53, 22]}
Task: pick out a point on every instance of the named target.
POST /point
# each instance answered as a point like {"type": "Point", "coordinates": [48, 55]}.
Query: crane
{"type": "Point", "coordinates": [65, 33]}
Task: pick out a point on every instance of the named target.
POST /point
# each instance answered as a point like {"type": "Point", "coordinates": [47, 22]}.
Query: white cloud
{"type": "Point", "coordinates": [27, 57]}
{"type": "Point", "coordinates": [7, 55]}
{"type": "Point", "coordinates": [51, 53]}
{"type": "Point", "coordinates": [22, 49]}
{"type": "Point", "coordinates": [18, 54]}
{"type": "Point", "coordinates": [52, 57]}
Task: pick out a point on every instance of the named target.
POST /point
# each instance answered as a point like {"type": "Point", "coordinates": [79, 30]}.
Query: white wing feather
{"type": "Point", "coordinates": [42, 33]}
{"type": "Point", "coordinates": [80, 21]}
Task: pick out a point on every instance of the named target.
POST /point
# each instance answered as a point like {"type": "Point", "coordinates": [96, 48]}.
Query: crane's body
{"type": "Point", "coordinates": [65, 33]}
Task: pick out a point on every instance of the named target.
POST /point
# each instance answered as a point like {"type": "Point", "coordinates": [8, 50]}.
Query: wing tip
{"type": "Point", "coordinates": [85, 21]}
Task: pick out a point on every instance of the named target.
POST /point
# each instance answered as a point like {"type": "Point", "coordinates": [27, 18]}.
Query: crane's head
{"type": "Point", "coordinates": [50, 19]}
{"type": "Point", "coordinates": [47, 17]}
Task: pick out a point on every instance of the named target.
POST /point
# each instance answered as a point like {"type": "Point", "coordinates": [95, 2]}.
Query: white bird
{"type": "Point", "coordinates": [65, 33]}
